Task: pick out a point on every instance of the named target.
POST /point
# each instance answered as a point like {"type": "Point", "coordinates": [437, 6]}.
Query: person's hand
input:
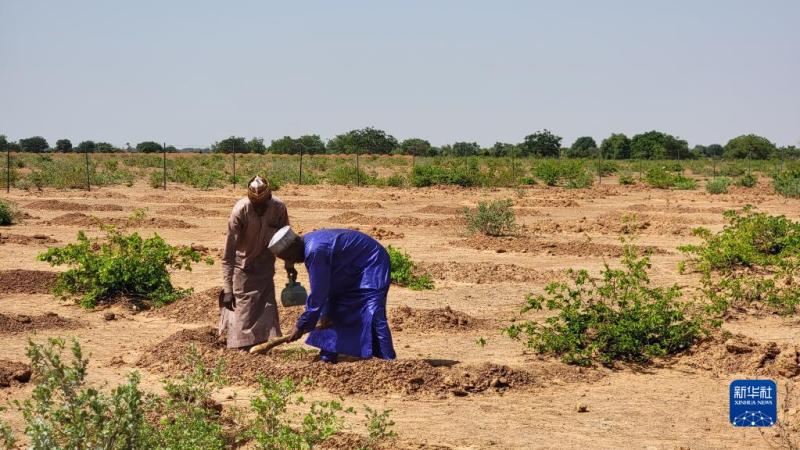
{"type": "Point", "coordinates": [324, 322]}
{"type": "Point", "coordinates": [227, 301]}
{"type": "Point", "coordinates": [291, 272]}
{"type": "Point", "coordinates": [296, 334]}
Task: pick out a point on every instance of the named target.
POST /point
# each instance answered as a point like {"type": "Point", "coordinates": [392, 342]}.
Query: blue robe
{"type": "Point", "coordinates": [349, 277]}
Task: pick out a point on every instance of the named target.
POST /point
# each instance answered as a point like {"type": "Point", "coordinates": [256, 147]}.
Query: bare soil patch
{"type": "Point", "coordinates": [362, 377]}
{"type": "Point", "coordinates": [13, 373]}
{"type": "Point", "coordinates": [676, 208]}
{"type": "Point", "coordinates": [190, 211]}
{"type": "Point", "coordinates": [21, 239]}
{"type": "Point", "coordinates": [59, 205]}
{"type": "Point", "coordinates": [11, 324]}
{"type": "Point", "coordinates": [442, 319]}
{"type": "Point", "coordinates": [441, 209]}
{"type": "Point", "coordinates": [631, 223]}
{"type": "Point", "coordinates": [380, 233]}
{"type": "Point", "coordinates": [409, 221]}
{"type": "Point", "coordinates": [486, 273]}
{"type": "Point", "coordinates": [528, 244]}
{"type": "Point", "coordinates": [320, 204]}
{"type": "Point", "coordinates": [740, 354]}
{"type": "Point", "coordinates": [20, 281]}
{"type": "Point", "coordinates": [83, 220]}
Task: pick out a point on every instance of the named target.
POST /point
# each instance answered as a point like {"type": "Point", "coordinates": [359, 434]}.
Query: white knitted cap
{"type": "Point", "coordinates": [281, 240]}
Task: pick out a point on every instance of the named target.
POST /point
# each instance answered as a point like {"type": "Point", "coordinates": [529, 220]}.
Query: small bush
{"type": "Point", "coordinates": [494, 218]}
{"type": "Point", "coordinates": [788, 183]}
{"type": "Point", "coordinates": [121, 265]}
{"type": "Point", "coordinates": [432, 175]}
{"type": "Point", "coordinates": [619, 316]}
{"type": "Point", "coordinates": [718, 185]}
{"type": "Point", "coordinates": [659, 177]}
{"type": "Point", "coordinates": [7, 213]}
{"type": "Point", "coordinates": [403, 271]}
{"type": "Point", "coordinates": [685, 184]}
{"type": "Point", "coordinates": [755, 258]}
{"type": "Point", "coordinates": [748, 180]}
{"type": "Point", "coordinates": [626, 179]}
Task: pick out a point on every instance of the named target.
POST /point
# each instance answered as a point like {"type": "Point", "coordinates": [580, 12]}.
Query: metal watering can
{"type": "Point", "coordinates": [294, 294]}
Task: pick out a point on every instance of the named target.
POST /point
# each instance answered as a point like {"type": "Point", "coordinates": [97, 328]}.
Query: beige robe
{"type": "Point", "coordinates": [248, 268]}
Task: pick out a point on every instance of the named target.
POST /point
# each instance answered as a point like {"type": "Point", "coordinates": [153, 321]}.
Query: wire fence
{"type": "Point", "coordinates": [214, 170]}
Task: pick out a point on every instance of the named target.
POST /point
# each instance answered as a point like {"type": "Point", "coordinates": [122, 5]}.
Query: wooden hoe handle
{"type": "Point", "coordinates": [269, 345]}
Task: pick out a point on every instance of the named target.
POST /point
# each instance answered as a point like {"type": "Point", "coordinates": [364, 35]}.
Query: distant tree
{"type": "Point", "coordinates": [749, 146]}
{"type": "Point", "coordinates": [170, 149]}
{"type": "Point", "coordinates": [228, 145]}
{"type": "Point", "coordinates": [415, 147]}
{"type": "Point", "coordinates": [35, 144]}
{"type": "Point", "coordinates": [461, 149]}
{"type": "Point", "coordinates": [63, 146]}
{"type": "Point", "coordinates": [658, 145]}
{"type": "Point", "coordinates": [149, 147]}
{"type": "Point", "coordinates": [310, 144]}
{"type": "Point", "coordinates": [542, 143]}
{"type": "Point", "coordinates": [503, 149]}
{"type": "Point", "coordinates": [789, 152]}
{"type": "Point", "coordinates": [4, 144]}
{"type": "Point", "coordinates": [105, 147]}
{"type": "Point", "coordinates": [366, 140]}
{"type": "Point", "coordinates": [708, 151]}
{"type": "Point", "coordinates": [616, 146]}
{"type": "Point", "coordinates": [86, 147]}
{"type": "Point", "coordinates": [583, 147]}
{"type": "Point", "coordinates": [256, 145]}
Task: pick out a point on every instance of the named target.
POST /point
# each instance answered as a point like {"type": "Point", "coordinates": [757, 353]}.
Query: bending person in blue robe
{"type": "Point", "coordinates": [346, 308]}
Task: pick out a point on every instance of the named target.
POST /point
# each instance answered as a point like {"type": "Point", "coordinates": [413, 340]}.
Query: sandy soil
{"type": "Point", "coordinates": [445, 390]}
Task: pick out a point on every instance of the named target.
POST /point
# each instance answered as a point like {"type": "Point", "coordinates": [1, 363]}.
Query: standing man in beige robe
{"type": "Point", "coordinates": [248, 310]}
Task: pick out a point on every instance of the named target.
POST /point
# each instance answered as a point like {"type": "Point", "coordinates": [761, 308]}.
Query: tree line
{"type": "Point", "coordinates": [543, 143]}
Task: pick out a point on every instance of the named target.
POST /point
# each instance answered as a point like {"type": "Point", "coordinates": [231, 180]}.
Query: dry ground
{"type": "Point", "coordinates": [442, 391]}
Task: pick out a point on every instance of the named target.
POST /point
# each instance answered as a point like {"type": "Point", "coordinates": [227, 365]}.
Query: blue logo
{"type": "Point", "coordinates": [754, 403]}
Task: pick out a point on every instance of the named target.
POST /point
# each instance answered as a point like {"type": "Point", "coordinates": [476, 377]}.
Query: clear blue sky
{"type": "Point", "coordinates": [192, 72]}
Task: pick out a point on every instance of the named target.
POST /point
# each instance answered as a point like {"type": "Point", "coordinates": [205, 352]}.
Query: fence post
{"type": "Point", "coordinates": [513, 168]}
{"type": "Point", "coordinates": [88, 184]}
{"type": "Point", "coordinates": [8, 169]}
{"type": "Point", "coordinates": [164, 164]}
{"type": "Point", "coordinates": [301, 166]}
{"type": "Point", "coordinates": [233, 151]}
{"type": "Point", "coordinates": [599, 166]}
{"type": "Point", "coordinates": [358, 174]}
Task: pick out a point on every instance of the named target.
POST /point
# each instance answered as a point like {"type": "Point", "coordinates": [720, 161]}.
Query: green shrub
{"type": "Point", "coordinates": [788, 183]}
{"type": "Point", "coordinates": [718, 185]}
{"type": "Point", "coordinates": [548, 171]}
{"type": "Point", "coordinates": [619, 316]}
{"type": "Point", "coordinates": [748, 180]}
{"type": "Point", "coordinates": [626, 179]}
{"type": "Point", "coordinates": [121, 265]}
{"type": "Point", "coordinates": [685, 184]}
{"type": "Point", "coordinates": [7, 213]}
{"type": "Point", "coordinates": [493, 218]}
{"type": "Point", "coordinates": [378, 427]}
{"type": "Point", "coordinates": [659, 177]}
{"type": "Point", "coordinates": [348, 176]}
{"type": "Point", "coordinates": [755, 258]}
{"type": "Point", "coordinates": [528, 181]}
{"type": "Point", "coordinates": [403, 271]}
{"type": "Point", "coordinates": [432, 175]}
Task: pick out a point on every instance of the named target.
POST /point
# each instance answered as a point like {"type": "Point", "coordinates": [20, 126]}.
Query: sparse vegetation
{"type": "Point", "coordinates": [788, 183]}
{"type": "Point", "coordinates": [718, 185]}
{"type": "Point", "coordinates": [620, 316]}
{"type": "Point", "coordinates": [7, 213]}
{"type": "Point", "coordinates": [662, 178]}
{"type": "Point", "coordinates": [121, 264]}
{"type": "Point", "coordinates": [404, 271]}
{"type": "Point", "coordinates": [492, 218]}
{"type": "Point", "coordinates": [747, 180]}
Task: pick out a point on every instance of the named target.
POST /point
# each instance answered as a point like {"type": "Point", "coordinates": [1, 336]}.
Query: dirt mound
{"type": "Point", "coordinates": [527, 244]}
{"type": "Point", "coordinates": [380, 233]}
{"type": "Point", "coordinates": [21, 239]}
{"type": "Point", "coordinates": [82, 220]}
{"type": "Point", "coordinates": [347, 441]}
{"type": "Point", "coordinates": [487, 273]}
{"type": "Point", "coordinates": [319, 204]}
{"type": "Point", "coordinates": [22, 324]}
{"type": "Point", "coordinates": [203, 308]}
{"type": "Point", "coordinates": [441, 209]}
{"type": "Point", "coordinates": [444, 319]}
{"type": "Point", "coordinates": [230, 201]}
{"type": "Point", "coordinates": [20, 281]}
{"type": "Point", "coordinates": [528, 212]}
{"type": "Point", "coordinates": [58, 205]}
{"type": "Point", "coordinates": [408, 221]}
{"type": "Point", "coordinates": [546, 202]}
{"type": "Point", "coordinates": [631, 223]}
{"type": "Point", "coordinates": [190, 211]}
{"type": "Point", "coordinates": [13, 373]}
{"type": "Point", "coordinates": [360, 377]}
{"type": "Point", "coordinates": [673, 209]}
{"type": "Point", "coordinates": [740, 354]}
